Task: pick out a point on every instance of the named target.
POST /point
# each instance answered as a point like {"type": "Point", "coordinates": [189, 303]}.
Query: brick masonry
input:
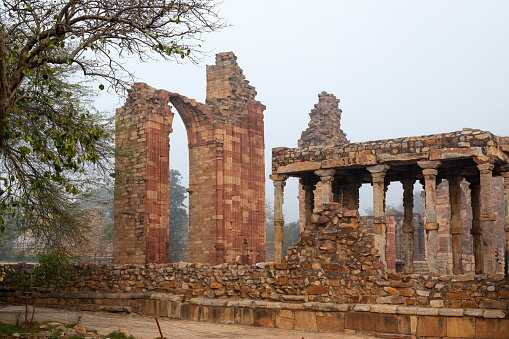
{"type": "Point", "coordinates": [226, 174]}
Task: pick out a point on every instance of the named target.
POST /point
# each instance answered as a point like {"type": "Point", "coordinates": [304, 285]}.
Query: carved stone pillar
{"type": "Point", "coordinates": [408, 225]}
{"type": "Point", "coordinates": [429, 170]}
{"type": "Point", "coordinates": [476, 231]}
{"type": "Point", "coordinates": [309, 202]}
{"type": "Point", "coordinates": [455, 227]}
{"type": "Point", "coordinates": [487, 217]}
{"type": "Point", "coordinates": [505, 174]}
{"type": "Point", "coordinates": [378, 175]}
{"type": "Point", "coordinates": [279, 222]}
{"type": "Point", "coordinates": [326, 177]}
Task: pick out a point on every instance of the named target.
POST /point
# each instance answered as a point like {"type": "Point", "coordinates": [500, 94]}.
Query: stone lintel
{"type": "Point", "coordinates": [306, 166]}
{"type": "Point", "coordinates": [402, 157]}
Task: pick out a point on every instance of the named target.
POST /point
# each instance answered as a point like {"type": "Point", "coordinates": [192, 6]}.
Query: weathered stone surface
{"type": "Point", "coordinates": [226, 174]}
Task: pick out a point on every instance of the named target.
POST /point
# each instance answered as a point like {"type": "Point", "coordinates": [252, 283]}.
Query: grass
{"type": "Point", "coordinates": [119, 335]}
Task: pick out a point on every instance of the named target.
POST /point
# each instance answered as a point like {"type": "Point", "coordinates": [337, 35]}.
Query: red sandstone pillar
{"type": "Point", "coordinates": [309, 202]}
{"type": "Point", "coordinates": [279, 222]}
{"type": "Point", "coordinates": [429, 169]}
{"type": "Point", "coordinates": [476, 231]}
{"type": "Point", "coordinates": [505, 174]}
{"type": "Point", "coordinates": [379, 188]}
{"type": "Point", "coordinates": [487, 216]}
{"type": "Point", "coordinates": [455, 227]}
{"type": "Point", "coordinates": [408, 225]}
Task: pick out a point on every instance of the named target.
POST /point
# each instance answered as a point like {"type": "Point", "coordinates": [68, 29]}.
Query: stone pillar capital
{"type": "Point", "coordinates": [279, 179]}
{"type": "Point", "coordinates": [485, 159]}
{"type": "Point", "coordinates": [382, 168]}
{"type": "Point", "coordinates": [308, 187]}
{"type": "Point", "coordinates": [485, 168]}
{"type": "Point", "coordinates": [429, 164]}
{"type": "Point", "coordinates": [325, 173]}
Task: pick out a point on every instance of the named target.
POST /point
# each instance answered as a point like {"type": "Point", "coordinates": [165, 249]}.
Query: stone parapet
{"type": "Point", "coordinates": [467, 143]}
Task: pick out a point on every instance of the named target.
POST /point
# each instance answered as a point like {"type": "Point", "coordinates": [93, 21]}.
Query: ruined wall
{"type": "Point", "coordinates": [142, 177]}
{"type": "Point", "coordinates": [226, 171]}
{"type": "Point", "coordinates": [324, 128]}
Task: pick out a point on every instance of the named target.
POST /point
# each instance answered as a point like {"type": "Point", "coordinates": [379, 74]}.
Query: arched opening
{"type": "Point", "coordinates": [179, 184]}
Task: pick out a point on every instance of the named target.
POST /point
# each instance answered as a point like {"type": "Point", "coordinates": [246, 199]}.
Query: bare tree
{"type": "Point", "coordinates": [50, 139]}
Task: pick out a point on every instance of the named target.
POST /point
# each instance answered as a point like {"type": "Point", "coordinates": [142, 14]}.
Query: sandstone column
{"type": "Point", "coordinates": [378, 175]}
{"type": "Point", "coordinates": [476, 231]}
{"type": "Point", "coordinates": [487, 215]}
{"type": "Point", "coordinates": [455, 227]}
{"type": "Point", "coordinates": [505, 174]}
{"type": "Point", "coordinates": [408, 225]}
{"type": "Point", "coordinates": [429, 170]}
{"type": "Point", "coordinates": [326, 177]}
{"type": "Point", "coordinates": [279, 222]}
{"type": "Point", "coordinates": [309, 201]}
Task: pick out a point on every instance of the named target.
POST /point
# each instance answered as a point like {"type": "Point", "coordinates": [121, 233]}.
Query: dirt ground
{"type": "Point", "coordinates": [145, 327]}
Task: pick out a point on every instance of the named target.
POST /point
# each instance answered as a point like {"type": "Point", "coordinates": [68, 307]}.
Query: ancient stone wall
{"type": "Point", "coordinates": [226, 171]}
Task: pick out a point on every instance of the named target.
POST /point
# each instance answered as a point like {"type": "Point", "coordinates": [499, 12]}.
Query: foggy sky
{"type": "Point", "coordinates": [400, 68]}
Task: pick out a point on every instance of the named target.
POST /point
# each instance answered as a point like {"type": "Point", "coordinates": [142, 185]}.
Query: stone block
{"type": "Point", "coordinates": [431, 327]}
{"type": "Point", "coordinates": [264, 317]}
{"type": "Point", "coordinates": [305, 320]}
{"type": "Point", "coordinates": [364, 321]}
{"type": "Point", "coordinates": [463, 327]}
{"type": "Point", "coordinates": [330, 323]}
{"type": "Point", "coordinates": [491, 328]}
{"type": "Point", "coordinates": [386, 323]}
{"type": "Point", "coordinates": [285, 319]}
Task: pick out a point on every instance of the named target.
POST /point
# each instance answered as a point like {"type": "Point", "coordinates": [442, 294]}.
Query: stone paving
{"type": "Point", "coordinates": [145, 327]}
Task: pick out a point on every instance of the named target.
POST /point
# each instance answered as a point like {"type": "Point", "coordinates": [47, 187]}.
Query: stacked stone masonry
{"type": "Point", "coordinates": [226, 171]}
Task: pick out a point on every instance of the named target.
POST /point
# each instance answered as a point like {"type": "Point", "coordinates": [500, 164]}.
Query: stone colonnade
{"type": "Point", "coordinates": [482, 211]}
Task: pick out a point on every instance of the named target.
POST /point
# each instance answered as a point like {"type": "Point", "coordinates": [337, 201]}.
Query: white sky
{"type": "Point", "coordinates": [400, 68]}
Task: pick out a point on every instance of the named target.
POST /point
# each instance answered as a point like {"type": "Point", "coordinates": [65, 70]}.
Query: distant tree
{"type": "Point", "coordinates": [292, 230]}
{"type": "Point", "coordinates": [269, 221]}
{"type": "Point", "coordinates": [179, 219]}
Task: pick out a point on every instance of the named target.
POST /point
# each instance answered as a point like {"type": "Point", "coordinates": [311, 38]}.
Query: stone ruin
{"type": "Point", "coordinates": [336, 277]}
{"type": "Point", "coordinates": [226, 171]}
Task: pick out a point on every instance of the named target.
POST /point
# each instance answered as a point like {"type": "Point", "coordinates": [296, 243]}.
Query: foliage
{"type": "Point", "coordinates": [52, 270]}
{"type": "Point", "coordinates": [50, 141]}
{"type": "Point", "coordinates": [291, 235]}
{"type": "Point", "coordinates": [11, 329]}
{"type": "Point", "coordinates": [4, 270]}
{"type": "Point", "coordinates": [179, 220]}
{"type": "Point", "coordinates": [108, 232]}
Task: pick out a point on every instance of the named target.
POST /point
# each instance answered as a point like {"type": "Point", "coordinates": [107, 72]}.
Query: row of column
{"type": "Point", "coordinates": [482, 212]}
